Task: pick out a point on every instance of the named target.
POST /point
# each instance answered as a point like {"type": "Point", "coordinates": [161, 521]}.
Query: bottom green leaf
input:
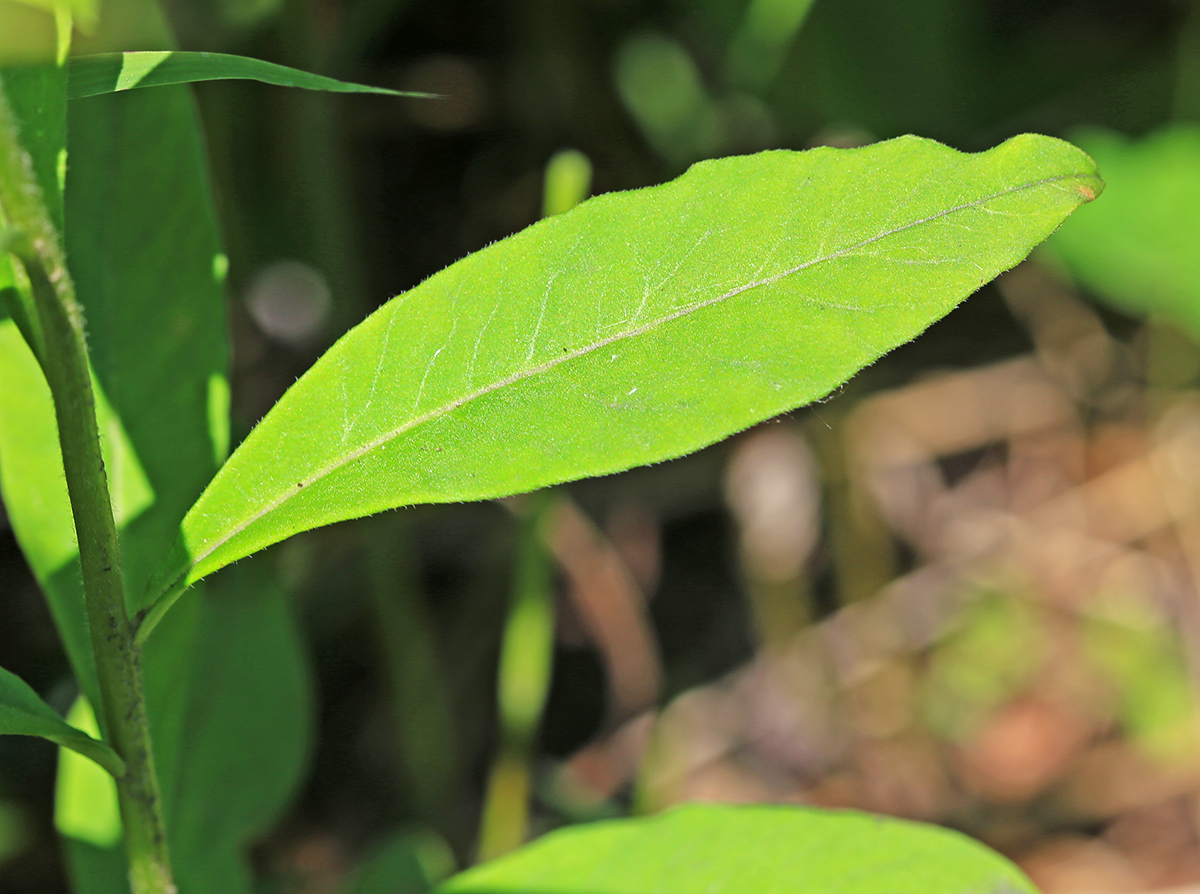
{"type": "Point", "coordinates": [22, 713]}
{"type": "Point", "coordinates": [741, 849]}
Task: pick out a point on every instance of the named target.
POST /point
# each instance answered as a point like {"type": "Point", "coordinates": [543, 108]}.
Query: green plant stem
{"type": "Point", "coordinates": [523, 683]}
{"type": "Point", "coordinates": [118, 660]}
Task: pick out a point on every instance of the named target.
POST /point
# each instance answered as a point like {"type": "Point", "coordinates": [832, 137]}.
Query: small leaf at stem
{"type": "Point", "coordinates": [22, 713]}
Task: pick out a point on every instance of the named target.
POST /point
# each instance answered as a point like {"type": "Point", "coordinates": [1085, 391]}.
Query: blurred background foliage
{"type": "Point", "coordinates": [964, 589]}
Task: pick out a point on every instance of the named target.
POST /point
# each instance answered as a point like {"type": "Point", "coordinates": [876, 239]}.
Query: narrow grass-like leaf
{"type": "Point", "coordinates": [635, 328]}
{"type": "Point", "coordinates": [1138, 248]}
{"type": "Point", "coordinates": [112, 72]}
{"type": "Point", "coordinates": [22, 713]}
{"type": "Point", "coordinates": [738, 849]}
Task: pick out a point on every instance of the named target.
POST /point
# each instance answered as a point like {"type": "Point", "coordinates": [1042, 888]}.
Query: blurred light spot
{"type": "Point", "coordinates": [218, 416]}
{"type": "Point", "coordinates": [289, 301]}
{"type": "Point", "coordinates": [220, 266]}
{"type": "Point", "coordinates": [772, 489]}
{"type": "Point", "coordinates": [567, 182]}
{"type": "Point", "coordinates": [1022, 749]}
{"type": "Point", "coordinates": [459, 85]}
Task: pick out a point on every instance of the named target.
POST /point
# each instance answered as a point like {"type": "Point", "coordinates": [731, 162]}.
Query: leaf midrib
{"type": "Point", "coordinates": [512, 379]}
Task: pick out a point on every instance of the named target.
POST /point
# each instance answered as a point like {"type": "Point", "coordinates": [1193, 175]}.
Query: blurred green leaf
{"type": "Point", "coordinates": [566, 181]}
{"type": "Point", "coordinates": [405, 862]}
{"type": "Point", "coordinates": [662, 89]}
{"type": "Point", "coordinates": [424, 719]}
{"type": "Point", "coordinates": [229, 696]}
{"type": "Point", "coordinates": [1142, 657]}
{"type": "Point", "coordinates": [734, 850]}
{"type": "Point", "coordinates": [761, 43]}
{"type": "Point", "coordinates": [22, 713]}
{"type": "Point", "coordinates": [115, 72]}
{"type": "Point", "coordinates": [1138, 248]}
{"type": "Point", "coordinates": [522, 681]}
{"type": "Point", "coordinates": [997, 648]}
{"type": "Point", "coordinates": [637, 327]}
{"type": "Point", "coordinates": [85, 799]}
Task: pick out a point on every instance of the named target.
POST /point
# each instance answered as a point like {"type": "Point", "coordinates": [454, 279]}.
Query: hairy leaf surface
{"type": "Point", "coordinates": [22, 713]}
{"type": "Point", "coordinates": [736, 849]}
{"type": "Point", "coordinates": [635, 328]}
{"type": "Point", "coordinates": [112, 72]}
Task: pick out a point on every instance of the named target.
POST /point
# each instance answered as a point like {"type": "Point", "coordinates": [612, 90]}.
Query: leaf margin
{"type": "Point", "coordinates": [99, 74]}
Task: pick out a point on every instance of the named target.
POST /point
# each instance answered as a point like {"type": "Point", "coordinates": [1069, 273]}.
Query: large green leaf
{"type": "Point", "coordinates": [112, 72]}
{"type": "Point", "coordinates": [229, 696]}
{"type": "Point", "coordinates": [735, 850]}
{"type": "Point", "coordinates": [22, 713]}
{"type": "Point", "coordinates": [1138, 248]}
{"type": "Point", "coordinates": [636, 327]}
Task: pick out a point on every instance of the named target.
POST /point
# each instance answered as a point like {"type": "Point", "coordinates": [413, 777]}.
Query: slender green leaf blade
{"type": "Point", "coordinates": [637, 327]}
{"type": "Point", "coordinates": [736, 849]}
{"type": "Point", "coordinates": [22, 713]}
{"type": "Point", "coordinates": [101, 73]}
{"type": "Point", "coordinates": [1137, 249]}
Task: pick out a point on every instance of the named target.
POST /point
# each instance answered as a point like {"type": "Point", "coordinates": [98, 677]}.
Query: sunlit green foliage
{"type": "Point", "coordinates": [732, 849]}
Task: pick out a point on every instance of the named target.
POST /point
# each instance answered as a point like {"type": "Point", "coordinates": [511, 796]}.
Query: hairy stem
{"type": "Point", "coordinates": [64, 357]}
